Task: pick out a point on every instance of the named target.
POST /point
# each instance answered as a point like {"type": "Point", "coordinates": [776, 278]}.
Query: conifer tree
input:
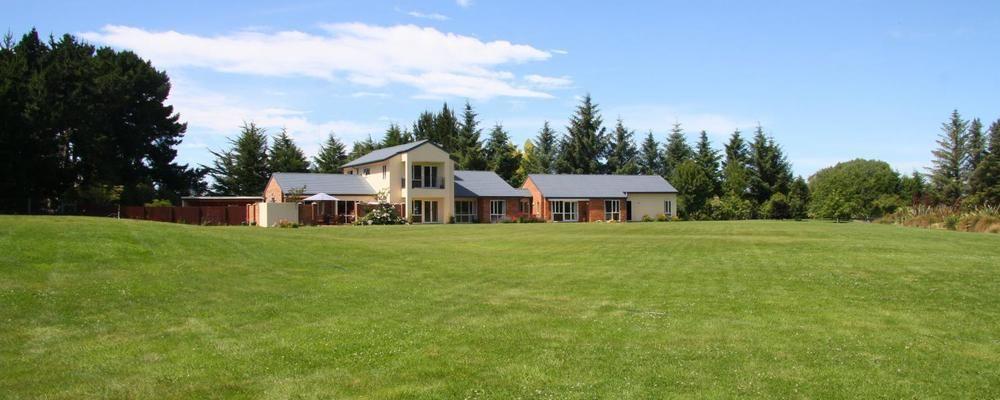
{"type": "Point", "coordinates": [586, 141]}
{"type": "Point", "coordinates": [693, 187]}
{"type": "Point", "coordinates": [798, 198]}
{"type": "Point", "coordinates": [985, 182]}
{"type": "Point", "coordinates": [445, 130]}
{"type": "Point", "coordinates": [649, 156]}
{"type": "Point", "coordinates": [735, 174]}
{"type": "Point", "coordinates": [546, 149]}
{"type": "Point", "coordinates": [708, 159]}
{"type": "Point", "coordinates": [286, 156]}
{"type": "Point", "coordinates": [529, 161]}
{"type": "Point", "coordinates": [469, 148]}
{"type": "Point", "coordinates": [950, 160]}
{"type": "Point", "coordinates": [622, 158]}
{"type": "Point", "coordinates": [676, 150]}
{"type": "Point", "coordinates": [502, 156]}
{"type": "Point", "coordinates": [332, 155]}
{"type": "Point", "coordinates": [913, 188]}
{"type": "Point", "coordinates": [424, 127]}
{"type": "Point", "coordinates": [393, 136]}
{"type": "Point", "coordinates": [976, 148]}
{"type": "Point", "coordinates": [242, 170]}
{"type": "Point", "coordinates": [362, 147]}
{"type": "Point", "coordinates": [769, 171]}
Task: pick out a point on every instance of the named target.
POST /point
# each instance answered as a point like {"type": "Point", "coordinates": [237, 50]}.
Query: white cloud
{"type": "Point", "coordinates": [463, 3]}
{"type": "Point", "coordinates": [549, 82]}
{"type": "Point", "coordinates": [434, 16]}
{"type": "Point", "coordinates": [435, 62]}
{"type": "Point", "coordinates": [559, 51]}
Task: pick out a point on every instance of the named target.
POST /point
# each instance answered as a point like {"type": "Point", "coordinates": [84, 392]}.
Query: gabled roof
{"type": "Point", "coordinates": [484, 184]}
{"type": "Point", "coordinates": [333, 184]}
{"type": "Point", "coordinates": [597, 186]}
{"type": "Point", "coordinates": [384, 154]}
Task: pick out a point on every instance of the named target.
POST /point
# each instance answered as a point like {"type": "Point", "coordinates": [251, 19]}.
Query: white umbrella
{"type": "Point", "coordinates": [320, 197]}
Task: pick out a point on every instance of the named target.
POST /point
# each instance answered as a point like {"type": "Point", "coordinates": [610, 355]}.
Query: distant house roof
{"type": "Point", "coordinates": [323, 183]}
{"type": "Point", "coordinates": [221, 198]}
{"type": "Point", "coordinates": [484, 184]}
{"type": "Point", "coordinates": [384, 154]}
{"type": "Point", "coordinates": [587, 186]}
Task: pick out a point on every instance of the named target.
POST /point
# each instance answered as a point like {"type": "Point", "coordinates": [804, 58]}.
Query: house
{"type": "Point", "coordinates": [565, 198]}
{"type": "Point", "coordinates": [421, 180]}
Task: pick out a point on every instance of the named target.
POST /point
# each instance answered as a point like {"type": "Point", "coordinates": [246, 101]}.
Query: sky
{"type": "Point", "coordinates": [830, 81]}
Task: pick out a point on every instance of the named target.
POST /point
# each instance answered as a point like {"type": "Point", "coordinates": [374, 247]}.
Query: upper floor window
{"type": "Point", "coordinates": [426, 176]}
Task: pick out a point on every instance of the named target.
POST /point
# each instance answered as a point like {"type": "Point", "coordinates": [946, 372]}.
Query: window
{"type": "Point", "coordinates": [366, 171]}
{"type": "Point", "coordinates": [667, 209]}
{"type": "Point", "coordinates": [465, 211]}
{"type": "Point", "coordinates": [498, 210]}
{"type": "Point", "coordinates": [418, 211]}
{"type": "Point", "coordinates": [612, 210]}
{"type": "Point", "coordinates": [424, 211]}
{"type": "Point", "coordinates": [383, 172]}
{"type": "Point", "coordinates": [563, 211]}
{"type": "Point", "coordinates": [524, 206]}
{"type": "Point", "coordinates": [426, 176]}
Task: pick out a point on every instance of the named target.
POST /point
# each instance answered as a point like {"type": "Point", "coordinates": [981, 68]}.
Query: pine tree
{"type": "Point", "coordinates": [529, 161]}
{"type": "Point", "coordinates": [693, 187]}
{"type": "Point", "coordinates": [985, 182]}
{"type": "Point", "coordinates": [502, 156]}
{"type": "Point", "coordinates": [676, 150]}
{"type": "Point", "coordinates": [394, 136]}
{"type": "Point", "coordinates": [332, 155]}
{"type": "Point", "coordinates": [582, 150]}
{"type": "Point", "coordinates": [798, 198]}
{"type": "Point", "coordinates": [242, 170]}
{"type": "Point", "coordinates": [913, 188]}
{"type": "Point", "coordinates": [649, 156]}
{"type": "Point", "coordinates": [769, 171]}
{"type": "Point", "coordinates": [708, 159]}
{"type": "Point", "coordinates": [362, 147]}
{"type": "Point", "coordinates": [735, 174]}
{"type": "Point", "coordinates": [423, 129]}
{"type": "Point", "coordinates": [469, 148]}
{"type": "Point", "coordinates": [950, 160]}
{"type": "Point", "coordinates": [546, 149]}
{"type": "Point", "coordinates": [976, 148]}
{"type": "Point", "coordinates": [445, 130]}
{"type": "Point", "coordinates": [286, 156]}
{"type": "Point", "coordinates": [622, 158]}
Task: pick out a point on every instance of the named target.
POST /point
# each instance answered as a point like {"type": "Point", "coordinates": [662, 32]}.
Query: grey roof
{"type": "Point", "coordinates": [484, 184]}
{"type": "Point", "coordinates": [587, 186]}
{"type": "Point", "coordinates": [323, 183]}
{"type": "Point", "coordinates": [384, 154]}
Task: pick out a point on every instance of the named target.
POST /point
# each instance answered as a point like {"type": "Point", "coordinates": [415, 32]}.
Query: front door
{"type": "Point", "coordinates": [628, 210]}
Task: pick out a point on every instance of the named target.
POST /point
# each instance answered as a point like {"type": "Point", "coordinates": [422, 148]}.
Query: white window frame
{"type": "Point", "coordinates": [561, 211]}
{"type": "Point", "coordinates": [424, 176]}
{"type": "Point", "coordinates": [668, 208]}
{"type": "Point", "coordinates": [498, 210]}
{"type": "Point", "coordinates": [465, 216]}
{"type": "Point", "coordinates": [615, 212]}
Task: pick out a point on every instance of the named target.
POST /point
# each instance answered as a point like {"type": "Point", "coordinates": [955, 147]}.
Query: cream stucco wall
{"type": "Point", "coordinates": [650, 204]}
{"type": "Point", "coordinates": [430, 154]}
{"type": "Point", "coordinates": [272, 213]}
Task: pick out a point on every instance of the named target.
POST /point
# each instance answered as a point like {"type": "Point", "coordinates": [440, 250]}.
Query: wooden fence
{"type": "Point", "coordinates": [229, 215]}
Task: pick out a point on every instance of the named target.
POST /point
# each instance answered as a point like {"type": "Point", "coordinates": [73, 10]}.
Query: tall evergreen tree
{"type": "Point", "coordinates": [424, 127]}
{"type": "Point", "coordinates": [769, 172]}
{"type": "Point", "coordinates": [622, 158]}
{"type": "Point", "coordinates": [445, 130]}
{"type": "Point", "coordinates": [976, 148]}
{"type": "Point", "coordinates": [469, 148]}
{"type": "Point", "coordinates": [529, 161]}
{"type": "Point", "coordinates": [243, 170]}
{"type": "Point", "coordinates": [649, 156]}
{"type": "Point", "coordinates": [332, 155]}
{"type": "Point", "coordinates": [798, 198]}
{"type": "Point", "coordinates": [693, 187]}
{"type": "Point", "coordinates": [735, 173]}
{"type": "Point", "coordinates": [362, 147]}
{"type": "Point", "coordinates": [950, 160]}
{"type": "Point", "coordinates": [501, 155]}
{"type": "Point", "coordinates": [985, 182]}
{"type": "Point", "coordinates": [708, 159]}
{"type": "Point", "coordinates": [394, 136]}
{"type": "Point", "coordinates": [286, 156]}
{"type": "Point", "coordinates": [586, 141]}
{"type": "Point", "coordinates": [546, 149]}
{"type": "Point", "coordinates": [676, 150]}
{"type": "Point", "coordinates": [913, 188]}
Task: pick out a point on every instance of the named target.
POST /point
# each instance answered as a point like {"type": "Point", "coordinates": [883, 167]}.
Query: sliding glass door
{"type": "Point", "coordinates": [563, 211]}
{"type": "Point", "coordinates": [425, 211]}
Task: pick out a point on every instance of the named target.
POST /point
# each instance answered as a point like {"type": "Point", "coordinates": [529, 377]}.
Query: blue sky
{"type": "Point", "coordinates": [830, 81]}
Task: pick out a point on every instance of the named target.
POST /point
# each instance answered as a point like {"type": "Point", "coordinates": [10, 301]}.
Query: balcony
{"type": "Point", "coordinates": [437, 183]}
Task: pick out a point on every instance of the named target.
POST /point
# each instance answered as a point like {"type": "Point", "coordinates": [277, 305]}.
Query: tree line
{"type": "Point", "coordinates": [750, 179]}
{"type": "Point", "coordinates": [82, 126]}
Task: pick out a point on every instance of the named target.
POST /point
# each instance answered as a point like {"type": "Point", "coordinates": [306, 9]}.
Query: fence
{"type": "Point", "coordinates": [229, 215]}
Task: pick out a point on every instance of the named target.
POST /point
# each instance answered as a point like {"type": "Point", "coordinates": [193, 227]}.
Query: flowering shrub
{"type": "Point", "coordinates": [383, 213]}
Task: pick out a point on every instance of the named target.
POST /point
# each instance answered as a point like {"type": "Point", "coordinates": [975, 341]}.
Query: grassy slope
{"type": "Point", "coordinates": [139, 309]}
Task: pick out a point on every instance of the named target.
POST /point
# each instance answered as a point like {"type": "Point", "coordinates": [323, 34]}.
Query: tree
{"type": "Point", "coordinates": [582, 150]}
{"type": "Point", "coordinates": [469, 148]}
{"type": "Point", "coordinates": [546, 149]}
{"type": "Point", "coordinates": [362, 147]}
{"type": "Point", "coordinates": [769, 170]}
{"type": "Point", "coordinates": [798, 199]}
{"type": "Point", "coordinates": [424, 127]}
{"type": "Point", "coordinates": [976, 147]}
{"type": "Point", "coordinates": [394, 136]}
{"type": "Point", "coordinates": [286, 156]}
{"type": "Point", "coordinates": [332, 155]}
{"type": "Point", "coordinates": [445, 130]}
{"type": "Point", "coordinates": [913, 188]}
{"type": "Point", "coordinates": [856, 186]}
{"type": "Point", "coordinates": [649, 156]}
{"type": "Point", "coordinates": [708, 159]}
{"type": "Point", "coordinates": [243, 170]}
{"type": "Point", "coordinates": [985, 182]}
{"type": "Point", "coordinates": [502, 156]}
{"type": "Point", "coordinates": [947, 175]}
{"type": "Point", "coordinates": [693, 187]}
{"type": "Point", "coordinates": [529, 161]}
{"type": "Point", "coordinates": [676, 150]}
{"type": "Point", "coordinates": [622, 159]}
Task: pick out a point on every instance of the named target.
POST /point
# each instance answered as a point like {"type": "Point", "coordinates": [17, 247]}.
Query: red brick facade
{"type": "Point", "coordinates": [587, 210]}
{"type": "Point", "coordinates": [513, 207]}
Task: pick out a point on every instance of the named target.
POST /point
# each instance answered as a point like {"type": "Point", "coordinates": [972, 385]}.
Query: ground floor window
{"type": "Point", "coordinates": [668, 208]}
{"type": "Point", "coordinates": [498, 210]}
{"type": "Point", "coordinates": [612, 210]}
{"type": "Point", "coordinates": [424, 211]}
{"type": "Point", "coordinates": [563, 211]}
{"type": "Point", "coordinates": [465, 211]}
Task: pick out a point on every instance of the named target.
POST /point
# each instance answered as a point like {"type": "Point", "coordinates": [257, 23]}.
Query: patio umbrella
{"type": "Point", "coordinates": [320, 197]}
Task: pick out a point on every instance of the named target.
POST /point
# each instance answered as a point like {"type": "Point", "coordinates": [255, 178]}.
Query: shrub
{"type": "Point", "coordinates": [159, 203]}
{"type": "Point", "coordinates": [383, 213]}
{"type": "Point", "coordinates": [284, 223]}
{"type": "Point", "coordinates": [979, 219]}
{"type": "Point", "coordinates": [663, 218]}
{"type": "Point", "coordinates": [527, 219]}
{"type": "Point", "coordinates": [647, 218]}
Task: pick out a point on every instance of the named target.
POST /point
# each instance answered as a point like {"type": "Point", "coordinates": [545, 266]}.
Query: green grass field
{"type": "Point", "coordinates": [130, 309]}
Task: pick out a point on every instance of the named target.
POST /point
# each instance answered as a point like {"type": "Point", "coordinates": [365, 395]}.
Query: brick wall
{"type": "Point", "coordinates": [273, 193]}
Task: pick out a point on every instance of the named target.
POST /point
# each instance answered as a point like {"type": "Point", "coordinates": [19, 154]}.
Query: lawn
{"type": "Point", "coordinates": [132, 309]}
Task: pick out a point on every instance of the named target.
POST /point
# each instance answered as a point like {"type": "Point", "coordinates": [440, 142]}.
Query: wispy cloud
{"type": "Point", "coordinates": [559, 51]}
{"type": "Point", "coordinates": [464, 3]}
{"type": "Point", "coordinates": [423, 15]}
{"type": "Point", "coordinates": [369, 94]}
{"type": "Point", "coordinates": [549, 82]}
{"type": "Point", "coordinates": [435, 62]}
